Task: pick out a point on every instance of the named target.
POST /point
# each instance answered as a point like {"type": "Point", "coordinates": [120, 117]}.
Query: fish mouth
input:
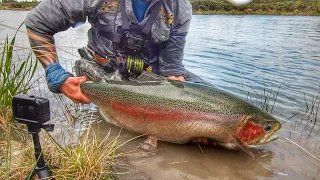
{"type": "Point", "coordinates": [265, 140]}
{"type": "Point", "coordinates": [269, 137]}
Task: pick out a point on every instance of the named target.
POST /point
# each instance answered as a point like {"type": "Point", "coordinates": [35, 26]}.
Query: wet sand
{"type": "Point", "coordinates": [277, 160]}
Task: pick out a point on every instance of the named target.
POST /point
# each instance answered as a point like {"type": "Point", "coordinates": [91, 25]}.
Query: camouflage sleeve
{"type": "Point", "coordinates": [52, 16]}
{"type": "Point", "coordinates": [170, 58]}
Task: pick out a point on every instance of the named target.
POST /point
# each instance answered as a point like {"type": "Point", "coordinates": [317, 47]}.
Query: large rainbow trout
{"type": "Point", "coordinates": [176, 112]}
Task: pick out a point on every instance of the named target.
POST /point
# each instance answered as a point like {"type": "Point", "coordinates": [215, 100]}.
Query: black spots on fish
{"type": "Point", "coordinates": [199, 107]}
{"type": "Point", "coordinates": [224, 110]}
{"type": "Point", "coordinates": [131, 96]}
{"type": "Point", "coordinates": [118, 94]}
{"type": "Point", "coordinates": [152, 101]}
{"type": "Point", "coordinates": [188, 108]}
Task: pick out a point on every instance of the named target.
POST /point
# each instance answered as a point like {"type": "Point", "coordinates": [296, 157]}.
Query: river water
{"type": "Point", "coordinates": [248, 56]}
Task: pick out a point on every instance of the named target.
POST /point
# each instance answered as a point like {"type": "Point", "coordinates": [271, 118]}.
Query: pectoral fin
{"type": "Point", "coordinates": [240, 144]}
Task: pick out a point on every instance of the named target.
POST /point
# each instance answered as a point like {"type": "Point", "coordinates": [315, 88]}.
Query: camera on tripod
{"type": "Point", "coordinates": [30, 110]}
{"type": "Point", "coordinates": [34, 112]}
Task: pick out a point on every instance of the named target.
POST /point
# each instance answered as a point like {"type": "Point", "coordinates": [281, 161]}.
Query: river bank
{"type": "Point", "coordinates": [260, 7]}
{"type": "Point", "coordinates": [18, 6]}
{"type": "Point", "coordinates": [250, 12]}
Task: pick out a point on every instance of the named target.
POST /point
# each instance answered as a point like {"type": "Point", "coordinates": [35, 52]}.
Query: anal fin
{"type": "Point", "coordinates": [150, 144]}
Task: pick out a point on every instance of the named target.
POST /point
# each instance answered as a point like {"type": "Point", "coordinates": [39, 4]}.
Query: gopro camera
{"type": "Point", "coordinates": [30, 110]}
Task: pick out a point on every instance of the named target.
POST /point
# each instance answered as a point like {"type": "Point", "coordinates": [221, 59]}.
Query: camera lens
{"type": "Point", "coordinates": [20, 111]}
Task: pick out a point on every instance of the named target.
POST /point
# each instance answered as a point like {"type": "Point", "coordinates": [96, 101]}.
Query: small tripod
{"type": "Point", "coordinates": [41, 168]}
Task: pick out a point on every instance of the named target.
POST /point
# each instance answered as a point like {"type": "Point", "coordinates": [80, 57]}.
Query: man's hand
{"type": "Point", "coordinates": [176, 78]}
{"type": "Point", "coordinates": [71, 89]}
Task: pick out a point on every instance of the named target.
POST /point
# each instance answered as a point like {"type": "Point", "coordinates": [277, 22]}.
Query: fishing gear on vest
{"type": "Point", "coordinates": [128, 65]}
{"type": "Point", "coordinates": [130, 42]}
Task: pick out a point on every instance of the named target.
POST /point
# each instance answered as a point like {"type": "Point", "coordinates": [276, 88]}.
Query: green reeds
{"type": "Point", "coordinates": [266, 100]}
{"type": "Point", "coordinates": [15, 76]}
{"type": "Point", "coordinates": [310, 115]}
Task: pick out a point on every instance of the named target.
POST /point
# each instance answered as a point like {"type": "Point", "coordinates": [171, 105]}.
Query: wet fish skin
{"type": "Point", "coordinates": [178, 112]}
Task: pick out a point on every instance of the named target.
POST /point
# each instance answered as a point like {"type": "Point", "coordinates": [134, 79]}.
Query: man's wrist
{"type": "Point", "coordinates": [56, 76]}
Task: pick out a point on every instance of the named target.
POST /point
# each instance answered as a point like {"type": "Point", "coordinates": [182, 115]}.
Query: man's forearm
{"type": "Point", "coordinates": [43, 47]}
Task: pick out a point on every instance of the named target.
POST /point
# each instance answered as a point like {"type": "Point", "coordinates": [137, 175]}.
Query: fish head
{"type": "Point", "coordinates": [256, 130]}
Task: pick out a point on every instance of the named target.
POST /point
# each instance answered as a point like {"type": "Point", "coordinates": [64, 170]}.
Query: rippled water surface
{"type": "Point", "coordinates": [245, 55]}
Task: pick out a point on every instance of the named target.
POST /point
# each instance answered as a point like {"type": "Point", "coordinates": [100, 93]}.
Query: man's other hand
{"type": "Point", "coordinates": [176, 78]}
{"type": "Point", "coordinates": [71, 89]}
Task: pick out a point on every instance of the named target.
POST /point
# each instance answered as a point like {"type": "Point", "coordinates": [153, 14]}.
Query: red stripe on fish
{"type": "Point", "coordinates": [156, 113]}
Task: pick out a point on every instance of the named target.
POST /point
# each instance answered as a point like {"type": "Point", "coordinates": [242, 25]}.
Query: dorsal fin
{"type": "Point", "coordinates": [146, 76]}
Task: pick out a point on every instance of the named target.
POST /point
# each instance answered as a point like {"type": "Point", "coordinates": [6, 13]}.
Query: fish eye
{"type": "Point", "coordinates": [268, 127]}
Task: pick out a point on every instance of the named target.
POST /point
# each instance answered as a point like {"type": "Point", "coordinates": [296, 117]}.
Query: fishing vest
{"type": "Point", "coordinates": [168, 31]}
{"type": "Point", "coordinates": [129, 38]}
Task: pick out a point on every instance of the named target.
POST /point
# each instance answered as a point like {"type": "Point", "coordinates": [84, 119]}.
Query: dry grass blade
{"type": "Point", "coordinates": [274, 102]}
{"type": "Point", "coordinates": [202, 151]}
{"type": "Point", "coordinates": [179, 162]}
{"type": "Point", "coordinates": [14, 28]}
{"type": "Point", "coordinates": [301, 148]}
{"type": "Point", "coordinates": [136, 137]}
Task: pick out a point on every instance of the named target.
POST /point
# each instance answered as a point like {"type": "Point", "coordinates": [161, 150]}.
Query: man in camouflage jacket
{"type": "Point", "coordinates": [168, 32]}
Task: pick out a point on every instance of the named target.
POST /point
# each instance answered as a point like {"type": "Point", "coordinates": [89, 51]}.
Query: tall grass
{"type": "Point", "coordinates": [91, 159]}
{"type": "Point", "coordinates": [15, 77]}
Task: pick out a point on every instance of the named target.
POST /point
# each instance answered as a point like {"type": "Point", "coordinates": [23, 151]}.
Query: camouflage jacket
{"type": "Point", "coordinates": [169, 30]}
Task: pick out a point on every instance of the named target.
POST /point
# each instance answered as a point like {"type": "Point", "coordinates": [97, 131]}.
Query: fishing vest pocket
{"type": "Point", "coordinates": [108, 21]}
{"type": "Point", "coordinates": [160, 31]}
